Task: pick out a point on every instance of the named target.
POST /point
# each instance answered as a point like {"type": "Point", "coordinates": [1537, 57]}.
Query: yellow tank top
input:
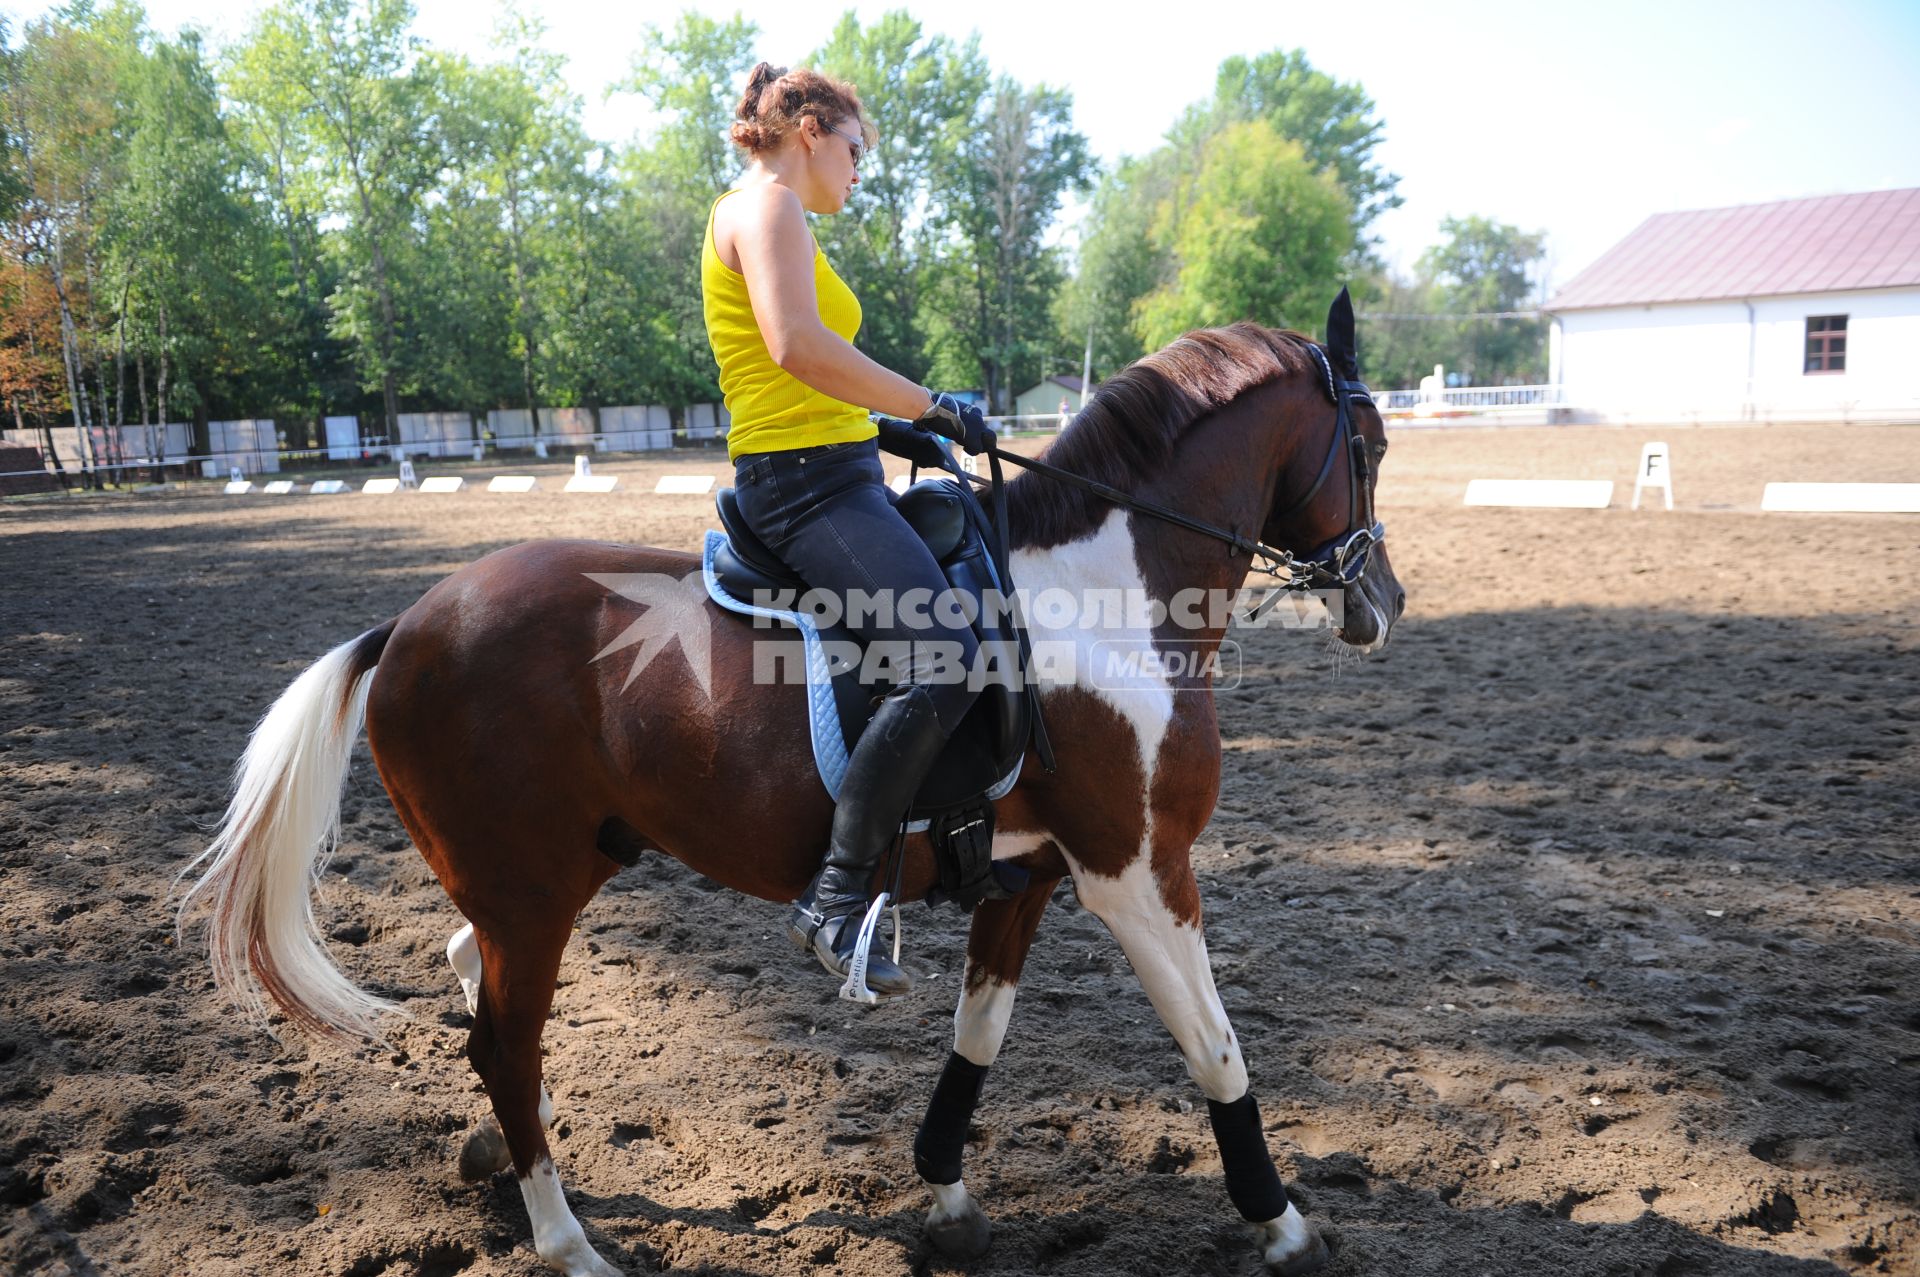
{"type": "Point", "coordinates": [772, 410]}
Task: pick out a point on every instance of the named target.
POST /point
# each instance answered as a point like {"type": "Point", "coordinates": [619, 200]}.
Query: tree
{"type": "Point", "coordinates": [365, 100]}
{"type": "Point", "coordinates": [992, 314]}
{"type": "Point", "coordinates": [1131, 274]}
{"type": "Point", "coordinates": [1481, 269]}
{"type": "Point", "coordinates": [920, 93]}
{"type": "Point", "coordinates": [1257, 234]}
{"type": "Point", "coordinates": [692, 77]}
{"type": "Point", "coordinates": [187, 259]}
{"type": "Point", "coordinates": [1332, 121]}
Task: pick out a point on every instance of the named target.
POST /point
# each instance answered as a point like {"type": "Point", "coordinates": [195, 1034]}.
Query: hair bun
{"type": "Point", "coordinates": [763, 76]}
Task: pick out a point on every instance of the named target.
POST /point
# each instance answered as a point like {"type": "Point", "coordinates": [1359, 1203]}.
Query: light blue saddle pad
{"type": "Point", "coordinates": [823, 712]}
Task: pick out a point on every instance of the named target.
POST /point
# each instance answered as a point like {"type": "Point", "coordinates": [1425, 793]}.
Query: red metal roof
{"type": "Point", "coordinates": [1831, 244]}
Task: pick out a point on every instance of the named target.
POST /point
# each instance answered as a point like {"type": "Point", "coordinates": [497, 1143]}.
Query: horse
{"type": "Point", "coordinates": [530, 760]}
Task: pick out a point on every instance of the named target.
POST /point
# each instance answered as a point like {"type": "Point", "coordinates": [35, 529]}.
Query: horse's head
{"type": "Point", "coordinates": [1323, 505]}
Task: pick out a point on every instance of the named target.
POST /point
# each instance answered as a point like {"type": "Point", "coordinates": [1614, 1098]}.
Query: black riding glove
{"type": "Point", "coordinates": [961, 422]}
{"type": "Point", "coordinates": [904, 439]}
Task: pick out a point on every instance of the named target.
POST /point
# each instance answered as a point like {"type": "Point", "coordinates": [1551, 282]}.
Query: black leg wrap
{"type": "Point", "coordinates": [1252, 1182]}
{"type": "Point", "coordinates": [943, 1132]}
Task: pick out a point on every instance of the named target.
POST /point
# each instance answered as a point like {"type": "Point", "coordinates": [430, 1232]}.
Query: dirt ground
{"type": "Point", "coordinates": [1576, 932]}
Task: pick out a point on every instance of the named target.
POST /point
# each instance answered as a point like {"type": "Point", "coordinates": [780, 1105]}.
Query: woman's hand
{"type": "Point", "coordinates": [904, 439]}
{"type": "Point", "coordinates": [959, 421]}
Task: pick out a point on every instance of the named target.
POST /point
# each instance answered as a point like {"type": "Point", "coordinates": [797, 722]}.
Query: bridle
{"type": "Point", "coordinates": [1341, 561]}
{"type": "Point", "coordinates": [1337, 564]}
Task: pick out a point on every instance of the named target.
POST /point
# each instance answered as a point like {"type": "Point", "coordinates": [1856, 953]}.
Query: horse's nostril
{"type": "Point", "coordinates": [1399, 604]}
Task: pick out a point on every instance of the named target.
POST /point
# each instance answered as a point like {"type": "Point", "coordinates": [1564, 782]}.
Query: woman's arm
{"type": "Point", "coordinates": [776, 256]}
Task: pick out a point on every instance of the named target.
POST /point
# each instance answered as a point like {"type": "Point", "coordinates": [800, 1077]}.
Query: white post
{"type": "Point", "coordinates": [1654, 472]}
{"type": "Point", "coordinates": [1086, 369]}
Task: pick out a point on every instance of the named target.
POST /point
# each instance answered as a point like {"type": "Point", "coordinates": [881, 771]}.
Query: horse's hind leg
{"type": "Point", "coordinates": [1168, 952]}
{"type": "Point", "coordinates": [516, 991]}
{"type": "Point", "coordinates": [485, 1151]}
{"type": "Point", "coordinates": [996, 950]}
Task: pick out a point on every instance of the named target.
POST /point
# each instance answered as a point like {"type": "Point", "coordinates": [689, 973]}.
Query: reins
{"type": "Point", "coordinates": [1335, 565]}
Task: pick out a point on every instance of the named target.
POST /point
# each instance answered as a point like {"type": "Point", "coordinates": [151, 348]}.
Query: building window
{"type": "Point", "coordinates": [1826, 343]}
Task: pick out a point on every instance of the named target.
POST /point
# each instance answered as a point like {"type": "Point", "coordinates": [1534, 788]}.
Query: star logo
{"type": "Point", "coordinates": [676, 612]}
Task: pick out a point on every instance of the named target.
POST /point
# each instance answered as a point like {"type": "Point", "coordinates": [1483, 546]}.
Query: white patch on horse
{"type": "Point", "coordinates": [557, 1235]}
{"type": "Point", "coordinates": [463, 952]}
{"type": "Point", "coordinates": [1006, 846]}
{"type": "Point", "coordinates": [1284, 1238]}
{"type": "Point", "coordinates": [950, 1202]}
{"type": "Point", "coordinates": [980, 1021]}
{"type": "Point", "coordinates": [1170, 959]}
{"type": "Point", "coordinates": [1112, 652]}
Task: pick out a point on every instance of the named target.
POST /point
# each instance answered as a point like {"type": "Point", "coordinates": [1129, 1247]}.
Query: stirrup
{"type": "Point", "coordinates": [855, 989]}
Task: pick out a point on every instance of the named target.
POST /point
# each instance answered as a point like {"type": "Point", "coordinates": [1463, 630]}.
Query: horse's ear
{"type": "Point", "coordinates": [1340, 336]}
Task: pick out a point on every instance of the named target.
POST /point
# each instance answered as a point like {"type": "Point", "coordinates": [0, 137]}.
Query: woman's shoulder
{"type": "Point", "coordinates": [764, 211]}
{"type": "Point", "coordinates": [759, 203]}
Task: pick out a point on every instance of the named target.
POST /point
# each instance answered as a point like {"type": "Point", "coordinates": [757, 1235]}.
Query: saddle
{"type": "Point", "coordinates": [982, 759]}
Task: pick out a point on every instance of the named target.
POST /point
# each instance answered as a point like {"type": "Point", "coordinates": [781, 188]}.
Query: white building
{"type": "Point", "coordinates": [1801, 310]}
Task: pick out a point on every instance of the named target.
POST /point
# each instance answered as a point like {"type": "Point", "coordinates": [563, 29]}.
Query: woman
{"type": "Point", "coordinates": [807, 472]}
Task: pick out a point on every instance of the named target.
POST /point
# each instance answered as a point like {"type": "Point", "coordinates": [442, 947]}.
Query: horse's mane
{"type": "Point", "coordinates": [1127, 432]}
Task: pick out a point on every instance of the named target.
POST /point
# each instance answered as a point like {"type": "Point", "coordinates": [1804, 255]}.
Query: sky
{"type": "Point", "coordinates": [1576, 120]}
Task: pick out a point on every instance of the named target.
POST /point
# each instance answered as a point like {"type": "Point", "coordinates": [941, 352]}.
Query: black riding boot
{"type": "Point", "coordinates": [892, 756]}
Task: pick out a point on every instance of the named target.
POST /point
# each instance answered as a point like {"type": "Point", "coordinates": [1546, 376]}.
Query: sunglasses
{"type": "Point", "coordinates": [857, 144]}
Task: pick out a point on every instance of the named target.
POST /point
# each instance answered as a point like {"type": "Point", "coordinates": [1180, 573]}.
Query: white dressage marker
{"type": "Point", "coordinates": [513, 483]}
{"type": "Point", "coordinates": [407, 479]}
{"type": "Point", "coordinates": [279, 487]}
{"type": "Point", "coordinates": [1555, 494]}
{"type": "Point", "coordinates": [1844, 498]}
{"type": "Point", "coordinates": [381, 486]}
{"type": "Point", "coordinates": [442, 483]}
{"type": "Point", "coordinates": [592, 483]}
{"type": "Point", "coordinates": [238, 487]}
{"type": "Point", "coordinates": [325, 486]}
{"type": "Point", "coordinates": [692, 485]}
{"type": "Point", "coordinates": [1654, 472]}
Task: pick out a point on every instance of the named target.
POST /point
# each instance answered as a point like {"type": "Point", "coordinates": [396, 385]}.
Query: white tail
{"type": "Point", "coordinates": [279, 829]}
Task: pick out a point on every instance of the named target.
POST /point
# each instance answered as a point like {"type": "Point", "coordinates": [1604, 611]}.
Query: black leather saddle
{"type": "Point", "coordinates": [992, 738]}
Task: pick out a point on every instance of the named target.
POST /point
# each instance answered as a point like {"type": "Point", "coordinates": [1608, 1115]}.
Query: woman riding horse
{"type": "Point", "coordinates": [807, 470]}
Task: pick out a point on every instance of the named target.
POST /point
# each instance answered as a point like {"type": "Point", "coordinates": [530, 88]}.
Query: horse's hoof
{"type": "Point", "coordinates": [1309, 1259]}
{"type": "Point", "coordinates": [484, 1152]}
{"type": "Point", "coordinates": [965, 1236]}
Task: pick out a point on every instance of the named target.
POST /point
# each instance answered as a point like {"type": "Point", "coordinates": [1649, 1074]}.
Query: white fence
{"type": "Point", "coordinates": [1550, 405]}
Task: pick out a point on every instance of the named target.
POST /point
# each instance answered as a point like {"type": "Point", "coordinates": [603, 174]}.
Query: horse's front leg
{"type": "Point", "coordinates": [1153, 910]}
{"type": "Point", "coordinates": [997, 948]}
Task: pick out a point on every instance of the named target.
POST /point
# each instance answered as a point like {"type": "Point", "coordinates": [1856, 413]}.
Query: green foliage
{"type": "Point", "coordinates": [1333, 122]}
{"type": "Point", "coordinates": [1256, 207]}
{"type": "Point", "coordinates": [327, 217]}
{"type": "Point", "coordinates": [920, 93]}
{"type": "Point", "coordinates": [1256, 234]}
{"type": "Point", "coordinates": [995, 282]}
{"type": "Point", "coordinates": [1481, 268]}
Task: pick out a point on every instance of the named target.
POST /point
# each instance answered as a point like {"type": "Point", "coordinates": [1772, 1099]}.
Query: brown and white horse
{"type": "Point", "coordinates": [527, 770]}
